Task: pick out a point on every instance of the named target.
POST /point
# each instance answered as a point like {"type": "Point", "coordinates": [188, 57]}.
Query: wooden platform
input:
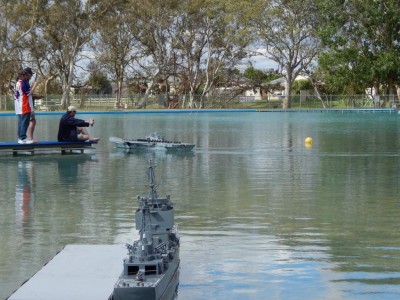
{"type": "Point", "coordinates": [77, 272]}
{"type": "Point", "coordinates": [64, 147]}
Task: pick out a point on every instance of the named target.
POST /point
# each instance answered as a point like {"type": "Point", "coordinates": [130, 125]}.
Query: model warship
{"type": "Point", "coordinates": [151, 269]}
{"type": "Point", "coordinates": [152, 141]}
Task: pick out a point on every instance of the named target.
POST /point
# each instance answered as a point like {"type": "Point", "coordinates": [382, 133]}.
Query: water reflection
{"type": "Point", "coordinates": [261, 215]}
{"type": "Point", "coordinates": [146, 155]}
{"type": "Point", "coordinates": [24, 195]}
{"type": "Point", "coordinates": [151, 153]}
{"type": "Point", "coordinates": [70, 166]}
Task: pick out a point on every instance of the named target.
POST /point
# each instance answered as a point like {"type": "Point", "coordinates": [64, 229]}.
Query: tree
{"type": "Point", "coordinates": [211, 41]}
{"type": "Point", "coordinates": [361, 39]}
{"type": "Point", "coordinates": [114, 42]}
{"type": "Point", "coordinates": [62, 33]}
{"type": "Point", "coordinates": [286, 29]}
{"type": "Point", "coordinates": [13, 30]}
{"type": "Point", "coordinates": [154, 28]}
{"type": "Point", "coordinates": [192, 42]}
{"type": "Point", "coordinates": [255, 75]}
{"type": "Point", "coordinates": [97, 80]}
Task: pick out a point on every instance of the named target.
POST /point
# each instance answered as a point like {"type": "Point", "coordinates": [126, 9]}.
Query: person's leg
{"type": "Point", "coordinates": [83, 135]}
{"type": "Point", "coordinates": [31, 128]}
{"type": "Point", "coordinates": [19, 126]}
{"type": "Point", "coordinates": [23, 125]}
{"type": "Point", "coordinates": [83, 130]}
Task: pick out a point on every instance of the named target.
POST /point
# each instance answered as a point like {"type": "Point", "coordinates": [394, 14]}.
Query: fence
{"type": "Point", "coordinates": [163, 101]}
{"type": "Point", "coordinates": [348, 102]}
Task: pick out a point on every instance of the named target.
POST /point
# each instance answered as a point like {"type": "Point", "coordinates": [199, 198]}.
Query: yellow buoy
{"type": "Point", "coordinates": [308, 141]}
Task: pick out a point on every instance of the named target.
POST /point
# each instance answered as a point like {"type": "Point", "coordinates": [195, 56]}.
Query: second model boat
{"type": "Point", "coordinates": [152, 141]}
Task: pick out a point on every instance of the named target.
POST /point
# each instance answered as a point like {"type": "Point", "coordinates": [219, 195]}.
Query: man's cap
{"type": "Point", "coordinates": [21, 72]}
{"type": "Point", "coordinates": [71, 108]}
{"type": "Point", "coordinates": [28, 71]}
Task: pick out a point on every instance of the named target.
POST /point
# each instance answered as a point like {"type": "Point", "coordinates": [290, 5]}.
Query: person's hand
{"type": "Point", "coordinates": [91, 122]}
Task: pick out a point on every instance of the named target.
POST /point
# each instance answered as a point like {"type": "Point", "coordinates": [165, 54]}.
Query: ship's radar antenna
{"type": "Point", "coordinates": [152, 181]}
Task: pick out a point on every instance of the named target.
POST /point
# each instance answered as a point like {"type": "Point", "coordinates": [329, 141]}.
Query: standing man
{"type": "Point", "coordinates": [23, 106]}
{"type": "Point", "coordinates": [32, 121]}
{"type": "Point", "coordinates": [74, 130]}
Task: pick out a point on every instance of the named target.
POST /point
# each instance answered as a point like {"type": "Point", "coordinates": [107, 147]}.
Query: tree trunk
{"type": "Point", "coordinates": [65, 94]}
{"type": "Point", "coordinates": [313, 83]}
{"type": "Point", "coordinates": [191, 97]}
{"type": "Point", "coordinates": [288, 91]}
{"type": "Point", "coordinates": [119, 91]}
{"type": "Point", "coordinates": [376, 96]}
{"type": "Point", "coordinates": [65, 99]}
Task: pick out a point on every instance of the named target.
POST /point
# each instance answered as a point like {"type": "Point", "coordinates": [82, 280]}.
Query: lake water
{"type": "Point", "coordinates": [261, 215]}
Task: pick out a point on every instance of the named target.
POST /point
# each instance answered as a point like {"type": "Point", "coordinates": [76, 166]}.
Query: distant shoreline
{"type": "Point", "coordinates": [192, 111]}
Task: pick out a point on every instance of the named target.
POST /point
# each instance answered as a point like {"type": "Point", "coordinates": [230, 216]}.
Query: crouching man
{"type": "Point", "coordinates": [74, 130]}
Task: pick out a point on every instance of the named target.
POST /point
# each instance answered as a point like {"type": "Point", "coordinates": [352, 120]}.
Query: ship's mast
{"type": "Point", "coordinates": [147, 204]}
{"type": "Point", "coordinates": [153, 195]}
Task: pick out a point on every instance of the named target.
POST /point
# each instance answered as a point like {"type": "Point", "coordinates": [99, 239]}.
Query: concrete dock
{"type": "Point", "coordinates": [77, 272]}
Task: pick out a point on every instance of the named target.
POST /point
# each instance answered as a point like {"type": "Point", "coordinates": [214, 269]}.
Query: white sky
{"type": "Point", "coordinates": [263, 63]}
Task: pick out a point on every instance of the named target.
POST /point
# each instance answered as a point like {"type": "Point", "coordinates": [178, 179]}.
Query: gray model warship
{"type": "Point", "coordinates": [152, 141]}
{"type": "Point", "coordinates": [151, 269]}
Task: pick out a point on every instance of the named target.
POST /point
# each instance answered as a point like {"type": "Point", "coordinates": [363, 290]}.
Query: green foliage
{"type": "Point", "coordinates": [99, 83]}
{"type": "Point", "coordinates": [360, 41]}
{"type": "Point", "coordinates": [299, 85]}
{"type": "Point", "coordinates": [196, 42]}
{"type": "Point", "coordinates": [345, 71]}
{"type": "Point", "coordinates": [254, 74]}
{"type": "Point", "coordinates": [54, 87]}
{"type": "Point", "coordinates": [272, 76]}
{"type": "Point", "coordinates": [258, 77]}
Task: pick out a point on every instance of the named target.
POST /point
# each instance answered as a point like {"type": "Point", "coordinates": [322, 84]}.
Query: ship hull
{"type": "Point", "coordinates": [151, 143]}
{"type": "Point", "coordinates": [158, 145]}
{"type": "Point", "coordinates": [164, 289]}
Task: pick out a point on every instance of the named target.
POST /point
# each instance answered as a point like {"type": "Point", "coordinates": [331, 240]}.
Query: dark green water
{"type": "Point", "coordinates": [261, 215]}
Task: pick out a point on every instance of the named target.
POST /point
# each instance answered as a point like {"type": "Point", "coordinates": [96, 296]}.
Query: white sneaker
{"type": "Point", "coordinates": [21, 141]}
{"type": "Point", "coordinates": [28, 141]}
